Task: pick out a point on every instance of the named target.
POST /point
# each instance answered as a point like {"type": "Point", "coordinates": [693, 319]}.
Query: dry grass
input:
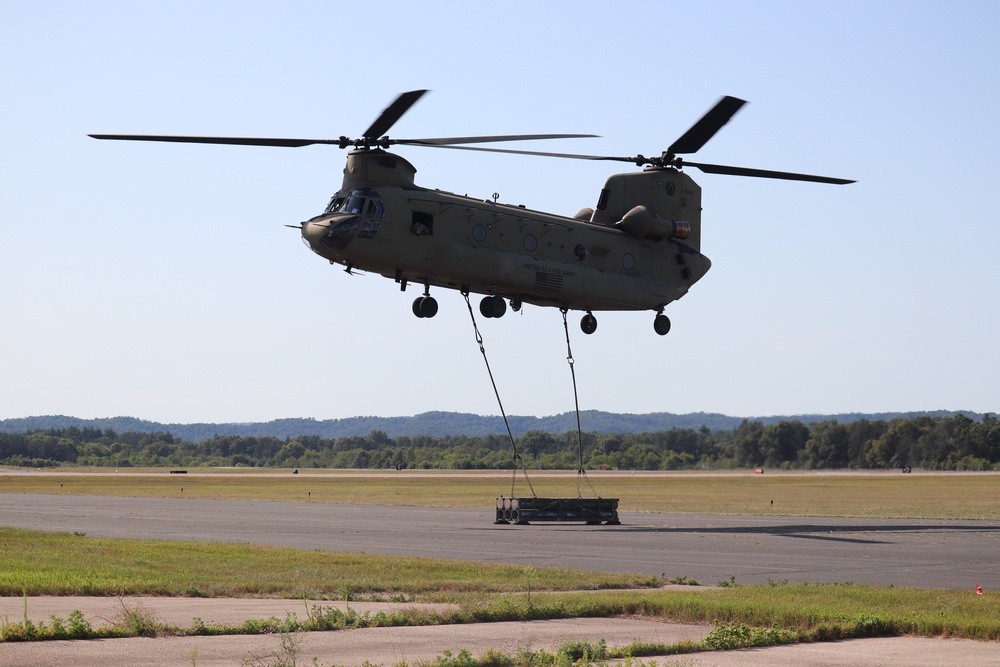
{"type": "Point", "coordinates": [876, 495]}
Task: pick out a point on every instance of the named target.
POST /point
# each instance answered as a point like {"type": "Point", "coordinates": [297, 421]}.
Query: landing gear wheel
{"type": "Point", "coordinates": [588, 324]}
{"type": "Point", "coordinates": [429, 307]}
{"type": "Point", "coordinates": [493, 306]}
{"type": "Point", "coordinates": [425, 306]}
{"type": "Point", "coordinates": [661, 324]}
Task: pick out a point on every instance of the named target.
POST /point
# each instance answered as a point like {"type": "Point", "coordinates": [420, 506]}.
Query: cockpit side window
{"type": "Point", "coordinates": [374, 210]}
{"type": "Point", "coordinates": [335, 204]}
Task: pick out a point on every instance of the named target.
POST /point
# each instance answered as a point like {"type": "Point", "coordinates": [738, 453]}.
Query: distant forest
{"type": "Point", "coordinates": [954, 442]}
{"type": "Point", "coordinates": [439, 424]}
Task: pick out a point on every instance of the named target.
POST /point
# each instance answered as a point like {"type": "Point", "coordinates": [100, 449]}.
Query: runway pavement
{"type": "Point", "coordinates": [707, 548]}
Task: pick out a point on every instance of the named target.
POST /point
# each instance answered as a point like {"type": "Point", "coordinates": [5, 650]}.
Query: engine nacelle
{"type": "Point", "coordinates": [642, 223]}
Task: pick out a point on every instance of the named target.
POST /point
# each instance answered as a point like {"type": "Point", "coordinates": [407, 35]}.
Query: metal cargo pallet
{"type": "Point", "coordinates": [523, 511]}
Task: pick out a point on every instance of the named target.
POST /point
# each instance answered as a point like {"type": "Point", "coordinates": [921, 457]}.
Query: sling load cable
{"type": "Point", "coordinates": [580, 473]}
{"type": "Point", "coordinates": [517, 456]}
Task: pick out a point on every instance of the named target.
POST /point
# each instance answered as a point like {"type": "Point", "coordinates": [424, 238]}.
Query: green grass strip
{"type": "Point", "coordinates": [54, 563]}
{"type": "Point", "coordinates": [822, 611]}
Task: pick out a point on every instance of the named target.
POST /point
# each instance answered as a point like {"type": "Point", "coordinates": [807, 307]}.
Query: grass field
{"type": "Point", "coordinates": [880, 495]}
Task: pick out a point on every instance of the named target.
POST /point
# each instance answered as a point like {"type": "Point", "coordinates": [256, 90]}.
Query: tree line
{"type": "Point", "coordinates": [957, 442]}
{"type": "Point", "coordinates": [437, 423]}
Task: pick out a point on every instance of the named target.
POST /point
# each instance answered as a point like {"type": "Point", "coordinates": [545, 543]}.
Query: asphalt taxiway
{"type": "Point", "coordinates": [706, 548]}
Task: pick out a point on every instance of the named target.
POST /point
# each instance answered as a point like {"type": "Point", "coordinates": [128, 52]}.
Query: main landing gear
{"type": "Point", "coordinates": [493, 306]}
{"type": "Point", "coordinates": [661, 324]}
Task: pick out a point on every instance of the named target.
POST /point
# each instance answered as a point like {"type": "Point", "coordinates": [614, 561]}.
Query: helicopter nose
{"type": "Point", "coordinates": [313, 231]}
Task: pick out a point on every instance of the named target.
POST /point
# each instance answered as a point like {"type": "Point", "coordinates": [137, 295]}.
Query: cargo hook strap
{"type": "Point", "coordinates": [517, 457]}
{"type": "Point", "coordinates": [580, 473]}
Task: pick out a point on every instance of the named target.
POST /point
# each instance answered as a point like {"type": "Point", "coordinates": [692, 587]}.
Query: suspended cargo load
{"type": "Point", "coordinates": [523, 511]}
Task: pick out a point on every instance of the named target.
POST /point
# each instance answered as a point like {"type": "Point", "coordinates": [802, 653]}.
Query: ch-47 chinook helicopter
{"type": "Point", "coordinates": [638, 249]}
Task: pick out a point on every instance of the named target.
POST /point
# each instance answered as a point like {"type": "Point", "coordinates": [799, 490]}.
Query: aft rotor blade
{"type": "Point", "coordinates": [236, 141]}
{"type": "Point", "coordinates": [699, 134]}
{"type": "Point", "coordinates": [572, 156]}
{"type": "Point", "coordinates": [763, 173]}
{"type": "Point", "coordinates": [392, 113]}
{"type": "Point", "coordinates": [707, 168]}
{"type": "Point", "coordinates": [439, 141]}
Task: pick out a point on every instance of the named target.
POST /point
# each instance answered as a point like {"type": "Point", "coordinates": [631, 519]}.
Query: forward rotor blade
{"type": "Point", "coordinates": [699, 134]}
{"type": "Point", "coordinates": [763, 173]}
{"type": "Point", "coordinates": [392, 113]}
{"type": "Point", "coordinates": [297, 143]}
{"type": "Point", "coordinates": [438, 141]}
{"type": "Point", "coordinates": [236, 141]}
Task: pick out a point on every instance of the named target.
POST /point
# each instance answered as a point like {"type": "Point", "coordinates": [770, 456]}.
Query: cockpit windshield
{"type": "Point", "coordinates": [355, 203]}
{"type": "Point", "coordinates": [361, 216]}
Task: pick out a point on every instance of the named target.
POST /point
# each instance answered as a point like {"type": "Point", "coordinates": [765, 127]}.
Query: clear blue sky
{"type": "Point", "coordinates": [158, 280]}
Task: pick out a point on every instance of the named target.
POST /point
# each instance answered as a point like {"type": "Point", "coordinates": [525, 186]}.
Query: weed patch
{"type": "Point", "coordinates": [734, 636]}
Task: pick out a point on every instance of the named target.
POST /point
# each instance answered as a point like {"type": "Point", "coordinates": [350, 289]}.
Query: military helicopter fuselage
{"type": "Point", "coordinates": [639, 250]}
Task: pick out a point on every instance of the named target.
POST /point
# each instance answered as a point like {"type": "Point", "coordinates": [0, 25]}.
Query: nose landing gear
{"type": "Point", "coordinates": [588, 323]}
{"type": "Point", "coordinates": [426, 305]}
